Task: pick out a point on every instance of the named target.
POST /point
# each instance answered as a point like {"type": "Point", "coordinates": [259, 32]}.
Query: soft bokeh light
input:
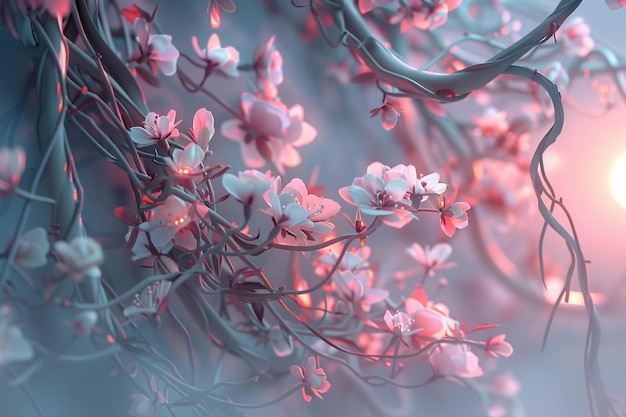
{"type": "Point", "coordinates": [618, 180]}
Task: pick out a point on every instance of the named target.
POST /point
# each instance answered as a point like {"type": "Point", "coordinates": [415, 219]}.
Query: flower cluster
{"type": "Point", "coordinates": [393, 194]}
{"type": "Point", "coordinates": [421, 14]}
{"type": "Point", "coordinates": [269, 132]}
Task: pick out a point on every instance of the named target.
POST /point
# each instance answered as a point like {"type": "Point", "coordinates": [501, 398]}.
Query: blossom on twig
{"type": "Point", "coordinates": [355, 289]}
{"type": "Point", "coordinates": [380, 192]}
{"type": "Point", "coordinates": [431, 258]}
{"type": "Point", "coordinates": [313, 379]}
{"type": "Point", "coordinates": [496, 346]}
{"type": "Point", "coordinates": [222, 60]}
{"type": "Point", "coordinates": [248, 187]}
{"type": "Point", "coordinates": [453, 214]}
{"type": "Point", "coordinates": [269, 132]}
{"type": "Point", "coordinates": [452, 359]}
{"type": "Point", "coordinates": [304, 225]}
{"type": "Point", "coordinates": [156, 129]}
{"type": "Point", "coordinates": [32, 248]}
{"type": "Point", "coordinates": [157, 50]}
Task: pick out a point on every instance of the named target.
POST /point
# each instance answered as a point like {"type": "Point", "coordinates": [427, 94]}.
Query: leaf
{"type": "Point", "coordinates": [227, 6]}
{"type": "Point", "coordinates": [483, 326]}
{"type": "Point", "coordinates": [135, 12]}
{"type": "Point", "coordinates": [259, 309]}
{"type": "Point", "coordinates": [363, 78]}
{"type": "Point", "coordinates": [127, 216]}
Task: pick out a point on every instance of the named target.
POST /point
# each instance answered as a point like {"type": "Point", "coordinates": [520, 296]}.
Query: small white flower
{"type": "Point", "coordinates": [13, 345]}
{"type": "Point", "coordinates": [32, 248]}
{"type": "Point", "coordinates": [223, 60]}
{"type": "Point", "coordinates": [79, 258]}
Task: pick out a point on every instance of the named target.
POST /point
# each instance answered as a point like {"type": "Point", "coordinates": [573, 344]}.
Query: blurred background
{"type": "Point", "coordinates": [552, 381]}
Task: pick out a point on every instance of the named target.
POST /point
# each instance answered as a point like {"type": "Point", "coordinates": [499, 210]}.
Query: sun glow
{"type": "Point", "coordinates": [618, 180]}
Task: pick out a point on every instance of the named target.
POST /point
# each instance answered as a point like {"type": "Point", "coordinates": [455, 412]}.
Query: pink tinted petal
{"type": "Point", "coordinates": [297, 372]}
{"type": "Point", "coordinates": [251, 155]}
{"type": "Point", "coordinates": [417, 252]}
{"type": "Point", "coordinates": [377, 169]}
{"type": "Point", "coordinates": [358, 196]}
{"type": "Point", "coordinates": [441, 252]}
{"type": "Point", "coordinates": [141, 136]}
{"type": "Point", "coordinates": [290, 156]}
{"type": "Point", "coordinates": [233, 130]}
{"type": "Point", "coordinates": [309, 367]}
{"type": "Point", "coordinates": [214, 42]}
{"type": "Point", "coordinates": [196, 46]}
{"type": "Point", "coordinates": [307, 135]}
{"type": "Point", "coordinates": [397, 188]}
{"type": "Point", "coordinates": [344, 192]}
{"type": "Point", "coordinates": [192, 156]}
{"type": "Point", "coordinates": [267, 119]}
{"type": "Point", "coordinates": [306, 395]}
{"type": "Point", "coordinates": [167, 67]}
{"type": "Point", "coordinates": [389, 320]}
{"type": "Point", "coordinates": [447, 226]}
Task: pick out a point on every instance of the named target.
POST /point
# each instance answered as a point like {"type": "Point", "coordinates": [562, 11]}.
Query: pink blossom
{"type": "Point", "coordinates": [157, 50]}
{"type": "Point", "coordinates": [318, 211]}
{"type": "Point", "coordinates": [615, 4]}
{"type": "Point", "coordinates": [421, 187]}
{"type": "Point", "coordinates": [496, 346]}
{"type": "Point", "coordinates": [492, 122]}
{"type": "Point", "coordinates": [249, 187]}
{"type": "Point", "coordinates": [400, 324]}
{"type": "Point", "coordinates": [431, 318]}
{"type": "Point", "coordinates": [424, 15]}
{"type": "Point", "coordinates": [223, 60]}
{"type": "Point", "coordinates": [453, 214]}
{"type": "Point", "coordinates": [313, 379]}
{"type": "Point", "coordinates": [353, 260]}
{"type": "Point", "coordinates": [290, 216]}
{"type": "Point", "coordinates": [355, 289]}
{"type": "Point", "coordinates": [12, 164]}
{"type": "Point", "coordinates": [575, 36]}
{"type": "Point", "coordinates": [389, 113]}
{"type": "Point", "coordinates": [32, 248]}
{"type": "Point", "coordinates": [431, 258]}
{"type": "Point", "coordinates": [452, 359]}
{"type": "Point", "coordinates": [268, 132]}
{"type": "Point", "coordinates": [156, 129]}
{"type": "Point", "coordinates": [380, 192]}
{"type": "Point", "coordinates": [164, 221]}
{"type": "Point", "coordinates": [268, 63]}
{"type": "Point", "coordinates": [186, 161]}
{"type": "Point", "coordinates": [79, 258]}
